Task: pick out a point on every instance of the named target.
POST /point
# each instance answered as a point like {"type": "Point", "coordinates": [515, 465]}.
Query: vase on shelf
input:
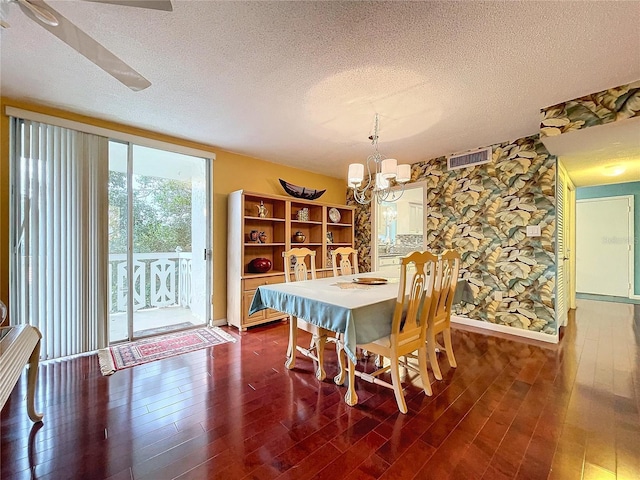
{"type": "Point", "coordinates": [262, 210]}
{"type": "Point", "coordinates": [303, 215]}
{"type": "Point", "coordinates": [260, 265]}
{"type": "Point", "coordinates": [298, 237]}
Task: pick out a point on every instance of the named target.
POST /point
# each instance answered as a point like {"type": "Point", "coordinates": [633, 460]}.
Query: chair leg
{"type": "Point", "coordinates": [293, 341]}
{"type": "Point", "coordinates": [424, 375]}
{"type": "Point", "coordinates": [320, 341]}
{"type": "Point", "coordinates": [342, 365]}
{"type": "Point", "coordinates": [397, 386]}
{"type": "Point", "coordinates": [351, 398]}
{"type": "Point", "coordinates": [449, 347]}
{"type": "Point", "coordinates": [433, 358]}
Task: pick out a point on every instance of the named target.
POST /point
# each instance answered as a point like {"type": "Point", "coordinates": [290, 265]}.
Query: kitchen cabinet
{"type": "Point", "coordinates": [410, 218]}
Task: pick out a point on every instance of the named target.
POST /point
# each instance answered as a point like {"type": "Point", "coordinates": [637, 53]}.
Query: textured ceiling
{"type": "Point", "coordinates": [592, 155]}
{"type": "Point", "coordinates": [298, 83]}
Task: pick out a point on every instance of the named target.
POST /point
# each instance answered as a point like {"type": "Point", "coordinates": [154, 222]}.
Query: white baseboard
{"type": "Point", "coordinates": [518, 332]}
{"type": "Point", "coordinates": [221, 322]}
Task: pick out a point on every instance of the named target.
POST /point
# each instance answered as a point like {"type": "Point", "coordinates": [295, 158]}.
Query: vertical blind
{"type": "Point", "coordinates": [59, 236]}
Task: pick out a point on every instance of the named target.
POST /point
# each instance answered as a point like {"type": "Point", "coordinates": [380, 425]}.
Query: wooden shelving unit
{"type": "Point", "coordinates": [279, 225]}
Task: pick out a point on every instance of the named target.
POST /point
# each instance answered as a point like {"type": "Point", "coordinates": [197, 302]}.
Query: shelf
{"type": "Point", "coordinates": [264, 219]}
{"type": "Point", "coordinates": [276, 244]}
{"type": "Point", "coordinates": [270, 273]}
{"type": "Point", "coordinates": [308, 222]}
{"type": "Point", "coordinates": [280, 226]}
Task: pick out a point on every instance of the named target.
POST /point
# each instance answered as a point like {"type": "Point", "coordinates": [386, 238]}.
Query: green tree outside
{"type": "Point", "coordinates": [161, 214]}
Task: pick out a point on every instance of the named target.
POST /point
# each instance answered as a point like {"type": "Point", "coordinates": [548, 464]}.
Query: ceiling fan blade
{"type": "Point", "coordinates": [87, 46]}
{"type": "Point", "coordinates": [3, 14]}
{"type": "Point", "coordinates": [154, 4]}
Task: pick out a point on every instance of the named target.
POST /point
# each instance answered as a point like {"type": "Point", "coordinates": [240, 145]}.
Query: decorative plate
{"type": "Point", "coordinates": [334, 215]}
{"type": "Point", "coordinates": [370, 281]}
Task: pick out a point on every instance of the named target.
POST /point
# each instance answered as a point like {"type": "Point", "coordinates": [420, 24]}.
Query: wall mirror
{"type": "Point", "coordinates": [398, 228]}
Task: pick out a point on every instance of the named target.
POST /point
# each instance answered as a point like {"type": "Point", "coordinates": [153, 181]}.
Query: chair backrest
{"type": "Point", "coordinates": [300, 270]}
{"type": "Point", "coordinates": [414, 304]}
{"type": "Point", "coordinates": [445, 287]}
{"type": "Point", "coordinates": [345, 265]}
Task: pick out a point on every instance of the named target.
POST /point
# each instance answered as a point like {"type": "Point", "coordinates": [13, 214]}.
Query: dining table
{"type": "Point", "coordinates": [351, 305]}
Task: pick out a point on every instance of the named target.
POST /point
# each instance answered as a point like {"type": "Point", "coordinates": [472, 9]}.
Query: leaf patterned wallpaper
{"type": "Point", "coordinates": [482, 212]}
{"type": "Point", "coordinates": [608, 106]}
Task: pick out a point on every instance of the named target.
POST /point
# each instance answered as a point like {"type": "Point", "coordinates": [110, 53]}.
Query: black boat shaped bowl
{"type": "Point", "coordinates": [301, 192]}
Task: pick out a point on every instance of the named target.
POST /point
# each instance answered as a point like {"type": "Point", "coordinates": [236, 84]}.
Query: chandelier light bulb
{"type": "Point", "coordinates": [389, 167]}
{"type": "Point", "coordinates": [404, 173]}
{"type": "Point", "coordinates": [381, 182]}
{"type": "Point", "coordinates": [356, 174]}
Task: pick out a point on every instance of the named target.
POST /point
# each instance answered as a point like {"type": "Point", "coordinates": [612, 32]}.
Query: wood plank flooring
{"type": "Point", "coordinates": [512, 409]}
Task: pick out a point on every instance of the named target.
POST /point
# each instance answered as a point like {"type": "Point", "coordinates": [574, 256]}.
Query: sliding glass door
{"type": "Point", "coordinates": [159, 242]}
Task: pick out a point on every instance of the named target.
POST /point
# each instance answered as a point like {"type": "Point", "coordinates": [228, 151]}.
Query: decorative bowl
{"type": "Point", "coordinates": [299, 237]}
{"type": "Point", "coordinates": [301, 192]}
{"type": "Point", "coordinates": [260, 265]}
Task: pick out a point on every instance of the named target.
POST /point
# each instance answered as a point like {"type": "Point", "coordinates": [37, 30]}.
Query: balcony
{"type": "Point", "coordinates": [162, 294]}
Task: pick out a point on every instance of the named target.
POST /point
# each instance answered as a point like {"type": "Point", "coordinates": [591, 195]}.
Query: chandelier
{"type": "Point", "coordinates": [380, 172]}
{"type": "Point", "coordinates": [389, 214]}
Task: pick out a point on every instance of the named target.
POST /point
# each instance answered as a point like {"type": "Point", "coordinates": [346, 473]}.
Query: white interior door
{"type": "Point", "coordinates": [603, 249]}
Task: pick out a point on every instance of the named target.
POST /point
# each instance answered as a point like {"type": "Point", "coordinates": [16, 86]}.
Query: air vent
{"type": "Point", "coordinates": [469, 159]}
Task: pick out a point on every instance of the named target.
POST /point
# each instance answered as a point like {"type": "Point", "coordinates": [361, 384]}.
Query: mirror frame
{"type": "Point", "coordinates": [374, 220]}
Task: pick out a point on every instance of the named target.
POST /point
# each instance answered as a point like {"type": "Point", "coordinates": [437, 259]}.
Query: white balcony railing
{"type": "Point", "coordinates": [159, 280]}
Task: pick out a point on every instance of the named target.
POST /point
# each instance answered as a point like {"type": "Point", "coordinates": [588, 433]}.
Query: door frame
{"type": "Point", "coordinates": [571, 236]}
{"type": "Point", "coordinates": [208, 240]}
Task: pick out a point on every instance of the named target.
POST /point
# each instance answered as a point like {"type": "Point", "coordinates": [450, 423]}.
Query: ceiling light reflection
{"type": "Point", "coordinates": [343, 104]}
{"type": "Point", "coordinates": [613, 170]}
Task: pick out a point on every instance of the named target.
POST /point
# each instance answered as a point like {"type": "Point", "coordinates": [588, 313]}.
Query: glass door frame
{"type": "Point", "coordinates": [207, 254]}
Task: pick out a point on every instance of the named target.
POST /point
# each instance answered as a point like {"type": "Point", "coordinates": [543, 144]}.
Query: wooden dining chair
{"type": "Point", "coordinates": [344, 261]}
{"type": "Point", "coordinates": [440, 315]}
{"type": "Point", "coordinates": [295, 272]}
{"type": "Point", "coordinates": [408, 329]}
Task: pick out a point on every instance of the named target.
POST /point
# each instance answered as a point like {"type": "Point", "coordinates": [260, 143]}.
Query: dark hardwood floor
{"type": "Point", "coordinates": [512, 409]}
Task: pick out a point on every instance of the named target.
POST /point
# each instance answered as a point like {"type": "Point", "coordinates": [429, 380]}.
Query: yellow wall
{"type": "Point", "coordinates": [231, 172]}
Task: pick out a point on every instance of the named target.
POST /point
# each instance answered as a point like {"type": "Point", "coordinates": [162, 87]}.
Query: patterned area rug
{"type": "Point", "coordinates": [150, 349]}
